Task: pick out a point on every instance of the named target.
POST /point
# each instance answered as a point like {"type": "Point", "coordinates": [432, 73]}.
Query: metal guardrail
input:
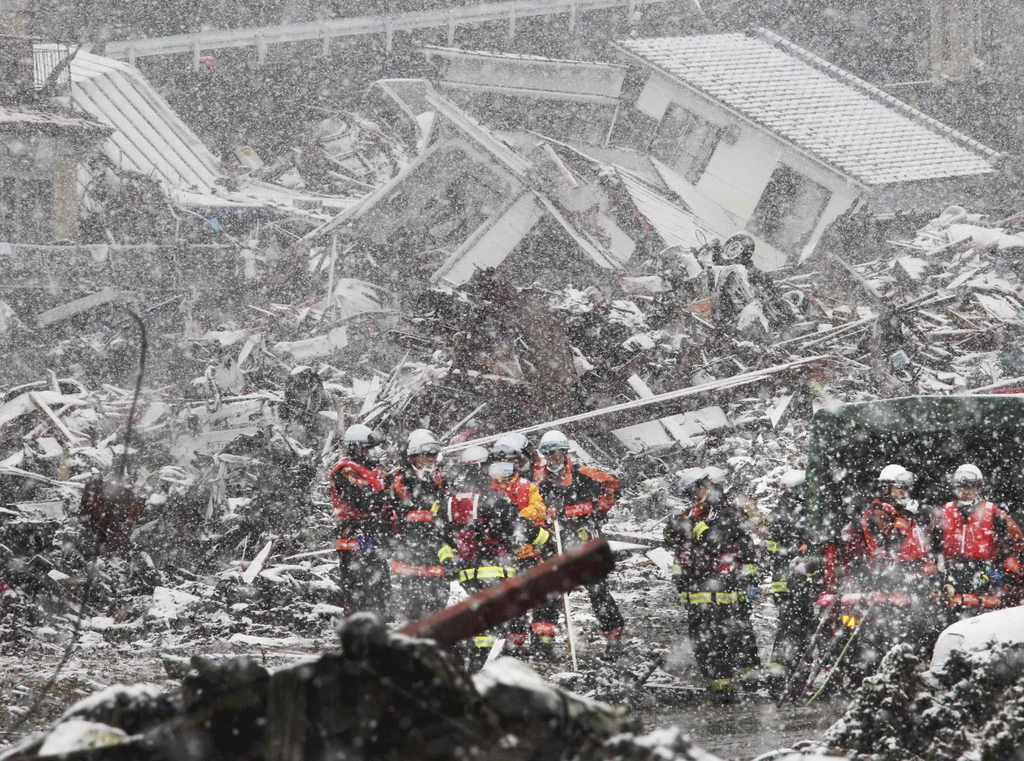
{"type": "Point", "coordinates": [326, 30]}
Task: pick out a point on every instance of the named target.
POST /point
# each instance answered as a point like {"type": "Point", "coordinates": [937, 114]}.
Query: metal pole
{"type": "Point", "coordinates": [565, 606]}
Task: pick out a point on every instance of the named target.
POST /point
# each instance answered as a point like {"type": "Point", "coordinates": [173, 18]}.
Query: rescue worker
{"type": "Point", "coordinates": [578, 499]}
{"type": "Point", "coordinates": [360, 498]}
{"type": "Point", "coordinates": [488, 530]}
{"type": "Point", "coordinates": [507, 456]}
{"type": "Point", "coordinates": [979, 546]}
{"type": "Point", "coordinates": [794, 572]}
{"type": "Point", "coordinates": [713, 541]}
{"type": "Point", "coordinates": [898, 570]}
{"type": "Point", "coordinates": [419, 490]}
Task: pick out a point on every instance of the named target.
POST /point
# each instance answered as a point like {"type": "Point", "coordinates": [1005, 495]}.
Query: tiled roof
{"type": "Point", "coordinates": [827, 112]}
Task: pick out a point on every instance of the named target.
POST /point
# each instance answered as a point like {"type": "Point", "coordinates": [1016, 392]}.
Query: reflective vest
{"type": "Point", "coordinates": [913, 542]}
{"type": "Point", "coordinates": [970, 540]}
{"type": "Point", "coordinates": [360, 476]}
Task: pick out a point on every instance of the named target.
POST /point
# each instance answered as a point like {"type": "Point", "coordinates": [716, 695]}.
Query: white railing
{"type": "Point", "coordinates": [325, 30]}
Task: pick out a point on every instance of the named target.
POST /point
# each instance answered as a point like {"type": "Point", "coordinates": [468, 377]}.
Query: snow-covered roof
{"type": "Point", "coordinates": [816, 106]}
{"type": "Point", "coordinates": [675, 225]}
{"type": "Point", "coordinates": [22, 119]}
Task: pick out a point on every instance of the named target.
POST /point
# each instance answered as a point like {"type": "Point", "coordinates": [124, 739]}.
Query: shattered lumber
{"type": "Point", "coordinates": [669, 403]}
{"type": "Point", "coordinates": [579, 567]}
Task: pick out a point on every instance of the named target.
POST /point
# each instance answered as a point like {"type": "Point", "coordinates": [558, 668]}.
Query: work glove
{"type": "Point", "coordinates": [993, 575]}
{"type": "Point", "coordinates": [752, 592]}
{"type": "Point", "coordinates": [451, 570]}
{"type": "Point", "coordinates": [583, 534]}
{"type": "Point", "coordinates": [365, 543]}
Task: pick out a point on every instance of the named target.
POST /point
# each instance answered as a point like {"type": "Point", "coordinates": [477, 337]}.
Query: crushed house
{"type": "Point", "coordinates": [779, 142]}
{"type": "Point", "coordinates": [41, 152]}
{"type": "Point", "coordinates": [474, 200]}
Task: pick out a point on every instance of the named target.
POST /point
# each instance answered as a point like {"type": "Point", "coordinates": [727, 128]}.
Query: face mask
{"type": "Point", "coordinates": [552, 468]}
{"type": "Point", "coordinates": [715, 495]}
{"type": "Point", "coordinates": [423, 474]}
{"type": "Point", "coordinates": [501, 470]}
{"type": "Point", "coordinates": [908, 504]}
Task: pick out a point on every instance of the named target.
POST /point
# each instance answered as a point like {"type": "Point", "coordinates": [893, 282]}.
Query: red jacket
{"type": "Point", "coordinates": [356, 491]}
{"type": "Point", "coordinates": [979, 537]}
{"type": "Point", "coordinates": [888, 535]}
{"type": "Point", "coordinates": [579, 492]}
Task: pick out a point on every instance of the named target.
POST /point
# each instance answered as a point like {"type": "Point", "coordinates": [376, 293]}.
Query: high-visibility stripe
{"type": "Point", "coordinates": [700, 528]}
{"type": "Point", "coordinates": [487, 572]}
{"type": "Point", "coordinates": [423, 571]}
{"type": "Point", "coordinates": [677, 570]}
{"type": "Point", "coordinates": [542, 536]}
{"type": "Point", "coordinates": [445, 553]}
{"type": "Point", "coordinates": [543, 627]}
{"type": "Point", "coordinates": [483, 641]}
{"type": "Point", "coordinates": [717, 685]}
{"type": "Point", "coordinates": [750, 569]}
{"type": "Point", "coordinates": [700, 598]}
{"type": "Point", "coordinates": [779, 587]}
{"type": "Point", "coordinates": [991, 601]}
{"type": "Point", "coordinates": [684, 598]}
{"type": "Point", "coordinates": [575, 511]}
{"type": "Point", "coordinates": [777, 669]}
{"type": "Point", "coordinates": [1012, 565]}
{"type": "Point", "coordinates": [419, 516]}
{"type": "Point", "coordinates": [726, 598]}
{"type": "Point", "coordinates": [773, 546]}
{"type": "Point", "coordinates": [898, 599]}
{"type": "Point", "coordinates": [970, 600]}
{"type": "Point", "coordinates": [346, 545]}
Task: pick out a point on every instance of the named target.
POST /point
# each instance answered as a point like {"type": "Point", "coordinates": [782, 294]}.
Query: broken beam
{"type": "Point", "coordinates": [670, 399]}
{"type": "Point", "coordinates": [513, 597]}
{"type": "Point", "coordinates": [84, 304]}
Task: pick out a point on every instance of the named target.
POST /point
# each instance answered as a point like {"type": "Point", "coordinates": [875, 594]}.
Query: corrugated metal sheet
{"type": "Point", "coordinates": [675, 225]}
{"type": "Point", "coordinates": [148, 137]}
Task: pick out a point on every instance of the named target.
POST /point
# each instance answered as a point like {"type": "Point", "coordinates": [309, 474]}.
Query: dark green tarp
{"type": "Point", "coordinates": [929, 435]}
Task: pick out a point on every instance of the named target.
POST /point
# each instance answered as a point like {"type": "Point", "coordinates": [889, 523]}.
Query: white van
{"type": "Point", "coordinates": [1005, 625]}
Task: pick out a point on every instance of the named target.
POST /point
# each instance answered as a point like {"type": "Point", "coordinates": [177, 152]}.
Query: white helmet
{"type": "Point", "coordinates": [474, 455]}
{"type": "Point", "coordinates": [689, 480]}
{"type": "Point", "coordinates": [792, 479]}
{"type": "Point", "coordinates": [896, 475]}
{"type": "Point", "coordinates": [553, 441]}
{"type": "Point", "coordinates": [358, 435]}
{"type": "Point", "coordinates": [422, 441]}
{"type": "Point", "coordinates": [509, 447]}
{"type": "Point", "coordinates": [968, 475]}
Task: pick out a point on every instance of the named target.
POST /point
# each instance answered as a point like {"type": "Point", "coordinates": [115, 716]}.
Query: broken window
{"type": "Point", "coordinates": [685, 142]}
{"type": "Point", "coordinates": [26, 210]}
{"type": "Point", "coordinates": [789, 210]}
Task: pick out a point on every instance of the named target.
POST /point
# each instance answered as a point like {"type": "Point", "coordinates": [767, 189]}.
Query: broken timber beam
{"type": "Point", "coordinates": [669, 403]}
{"type": "Point", "coordinates": [84, 304]}
{"type": "Point", "coordinates": [513, 597]}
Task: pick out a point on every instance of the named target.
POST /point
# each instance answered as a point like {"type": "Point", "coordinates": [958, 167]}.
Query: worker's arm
{"type": "Point", "coordinates": [535, 509]}
{"type": "Point", "coordinates": [608, 484]}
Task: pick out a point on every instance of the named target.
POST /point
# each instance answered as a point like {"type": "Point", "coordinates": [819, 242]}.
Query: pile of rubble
{"type": "Point", "coordinates": [347, 703]}
{"type": "Point", "coordinates": [970, 708]}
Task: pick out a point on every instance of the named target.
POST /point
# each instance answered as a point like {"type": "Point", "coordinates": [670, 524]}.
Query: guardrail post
{"type": "Point", "coordinates": [572, 16]}
{"type": "Point", "coordinates": [512, 22]}
{"type": "Point", "coordinates": [261, 50]}
{"type": "Point", "coordinates": [131, 55]}
{"type": "Point", "coordinates": [195, 53]}
{"type": "Point", "coordinates": [451, 28]}
{"type": "Point", "coordinates": [326, 51]}
{"type": "Point", "coordinates": [389, 34]}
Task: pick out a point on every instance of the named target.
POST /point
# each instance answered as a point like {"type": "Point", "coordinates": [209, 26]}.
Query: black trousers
{"type": "Point", "coordinates": [606, 610]}
{"type": "Point", "coordinates": [365, 582]}
{"type": "Point", "coordinates": [797, 621]}
{"type": "Point", "coordinates": [419, 596]}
